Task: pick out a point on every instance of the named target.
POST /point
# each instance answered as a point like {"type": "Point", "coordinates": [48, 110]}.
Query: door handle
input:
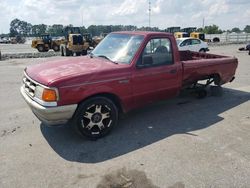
{"type": "Point", "coordinates": [173, 71]}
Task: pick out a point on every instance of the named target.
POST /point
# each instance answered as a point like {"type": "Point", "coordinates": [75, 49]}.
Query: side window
{"type": "Point", "coordinates": [186, 42]}
{"type": "Point", "coordinates": [157, 52]}
{"type": "Point", "coordinates": [195, 41]}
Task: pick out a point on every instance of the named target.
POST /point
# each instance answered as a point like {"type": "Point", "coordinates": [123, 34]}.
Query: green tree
{"type": "Point", "coordinates": [55, 30]}
{"type": "Point", "coordinates": [212, 29]}
{"type": "Point", "coordinates": [83, 29]}
{"type": "Point", "coordinates": [38, 30]}
{"type": "Point", "coordinates": [236, 30]}
{"type": "Point", "coordinates": [14, 27]}
{"type": "Point", "coordinates": [247, 29]}
{"type": "Point", "coordinates": [19, 27]}
{"type": "Point", "coordinates": [201, 30]}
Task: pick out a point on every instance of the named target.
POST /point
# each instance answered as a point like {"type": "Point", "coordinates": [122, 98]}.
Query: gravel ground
{"type": "Point", "coordinates": [17, 48]}
{"type": "Point", "coordinates": [183, 142]}
{"type": "Point", "coordinates": [14, 51]}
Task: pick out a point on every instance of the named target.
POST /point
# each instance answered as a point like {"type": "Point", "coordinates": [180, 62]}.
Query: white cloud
{"type": "Point", "coordinates": [165, 13]}
{"type": "Point", "coordinates": [218, 8]}
{"type": "Point", "coordinates": [128, 7]}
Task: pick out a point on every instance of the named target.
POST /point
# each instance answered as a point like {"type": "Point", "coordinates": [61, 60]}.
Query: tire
{"type": "Point", "coordinates": [62, 51]}
{"type": "Point", "coordinates": [202, 50]}
{"type": "Point", "coordinates": [216, 39]}
{"type": "Point", "coordinates": [201, 93]}
{"type": "Point", "coordinates": [95, 117]}
{"type": "Point", "coordinates": [84, 52]}
{"type": "Point", "coordinates": [56, 48]}
{"type": "Point", "coordinates": [40, 48]}
{"type": "Point", "coordinates": [78, 53]}
{"type": "Point", "coordinates": [216, 91]}
{"type": "Point", "coordinates": [67, 52]}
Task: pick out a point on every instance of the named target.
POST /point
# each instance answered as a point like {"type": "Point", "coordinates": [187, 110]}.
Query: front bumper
{"type": "Point", "coordinates": [50, 115]}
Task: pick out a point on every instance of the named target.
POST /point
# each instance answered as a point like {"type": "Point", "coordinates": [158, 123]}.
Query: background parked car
{"type": "Point", "coordinates": [4, 40]}
{"type": "Point", "coordinates": [192, 44]}
{"type": "Point", "coordinates": [247, 48]}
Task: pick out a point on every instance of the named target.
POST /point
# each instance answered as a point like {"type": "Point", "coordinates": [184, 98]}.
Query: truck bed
{"type": "Point", "coordinates": [200, 66]}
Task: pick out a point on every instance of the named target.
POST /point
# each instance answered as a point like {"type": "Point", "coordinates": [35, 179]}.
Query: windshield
{"type": "Point", "coordinates": [118, 47]}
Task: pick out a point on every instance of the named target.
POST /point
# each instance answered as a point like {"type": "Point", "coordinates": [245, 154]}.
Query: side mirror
{"type": "Point", "coordinates": [147, 61]}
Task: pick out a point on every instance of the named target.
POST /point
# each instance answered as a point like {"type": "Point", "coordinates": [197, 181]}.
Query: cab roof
{"type": "Point", "coordinates": [144, 33]}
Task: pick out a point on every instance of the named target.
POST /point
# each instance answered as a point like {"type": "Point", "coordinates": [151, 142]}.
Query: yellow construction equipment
{"type": "Point", "coordinates": [77, 43]}
{"type": "Point", "coordinates": [198, 35]}
{"type": "Point", "coordinates": [181, 34]}
{"type": "Point", "coordinates": [45, 43]}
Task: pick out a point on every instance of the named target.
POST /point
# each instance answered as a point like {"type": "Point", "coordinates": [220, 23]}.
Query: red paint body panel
{"type": "Point", "coordinates": [78, 78]}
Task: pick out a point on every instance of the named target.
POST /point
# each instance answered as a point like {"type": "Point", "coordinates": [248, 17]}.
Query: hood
{"type": "Point", "coordinates": [61, 69]}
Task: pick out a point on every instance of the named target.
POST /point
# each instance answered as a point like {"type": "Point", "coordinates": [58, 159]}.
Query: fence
{"type": "Point", "coordinates": [230, 37]}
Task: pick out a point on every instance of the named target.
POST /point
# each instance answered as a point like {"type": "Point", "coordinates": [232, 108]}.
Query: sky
{"type": "Point", "coordinates": [164, 13]}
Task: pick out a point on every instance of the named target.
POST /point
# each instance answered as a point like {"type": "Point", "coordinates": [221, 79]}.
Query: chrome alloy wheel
{"type": "Point", "coordinates": [96, 118]}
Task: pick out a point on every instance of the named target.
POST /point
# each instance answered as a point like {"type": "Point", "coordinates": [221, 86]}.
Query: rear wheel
{"type": "Point", "coordinates": [84, 52]}
{"type": "Point", "coordinates": [40, 48]}
{"type": "Point", "coordinates": [201, 93]}
{"type": "Point", "coordinates": [202, 50]}
{"type": "Point", "coordinates": [216, 39]}
{"type": "Point", "coordinates": [96, 117]}
{"type": "Point", "coordinates": [67, 52]}
{"type": "Point", "coordinates": [216, 91]}
{"type": "Point", "coordinates": [78, 53]}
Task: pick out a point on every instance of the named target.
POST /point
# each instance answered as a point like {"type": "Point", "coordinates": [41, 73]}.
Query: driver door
{"type": "Point", "coordinates": [156, 76]}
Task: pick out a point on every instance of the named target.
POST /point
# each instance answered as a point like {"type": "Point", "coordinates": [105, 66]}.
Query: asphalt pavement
{"type": "Point", "coordinates": [182, 142]}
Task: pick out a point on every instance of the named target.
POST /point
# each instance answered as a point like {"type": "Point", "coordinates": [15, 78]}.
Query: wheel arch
{"type": "Point", "coordinates": [202, 50]}
{"type": "Point", "coordinates": [217, 78]}
{"type": "Point", "coordinates": [111, 96]}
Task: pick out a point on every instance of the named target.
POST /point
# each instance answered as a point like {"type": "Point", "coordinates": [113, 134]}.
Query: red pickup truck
{"type": "Point", "coordinates": [125, 71]}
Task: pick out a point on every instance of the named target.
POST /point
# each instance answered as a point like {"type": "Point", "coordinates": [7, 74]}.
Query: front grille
{"type": "Point", "coordinates": [29, 86]}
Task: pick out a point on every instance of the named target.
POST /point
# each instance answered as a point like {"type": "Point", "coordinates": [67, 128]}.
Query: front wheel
{"type": "Point", "coordinates": [67, 52]}
{"type": "Point", "coordinates": [62, 51]}
{"type": "Point", "coordinates": [95, 117]}
{"type": "Point", "coordinates": [56, 48]}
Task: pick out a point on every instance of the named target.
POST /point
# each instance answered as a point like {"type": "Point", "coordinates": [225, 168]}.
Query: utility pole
{"type": "Point", "coordinates": [203, 23]}
{"type": "Point", "coordinates": [149, 13]}
{"type": "Point", "coordinates": [82, 17]}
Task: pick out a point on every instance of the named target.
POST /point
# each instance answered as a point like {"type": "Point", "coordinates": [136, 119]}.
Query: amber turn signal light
{"type": "Point", "coordinates": [49, 95]}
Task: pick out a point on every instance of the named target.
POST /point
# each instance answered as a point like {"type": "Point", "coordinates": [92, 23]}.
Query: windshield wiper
{"type": "Point", "coordinates": [105, 57]}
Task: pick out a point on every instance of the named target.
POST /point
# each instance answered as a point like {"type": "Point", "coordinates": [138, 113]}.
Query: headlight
{"type": "Point", "coordinates": [39, 92]}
